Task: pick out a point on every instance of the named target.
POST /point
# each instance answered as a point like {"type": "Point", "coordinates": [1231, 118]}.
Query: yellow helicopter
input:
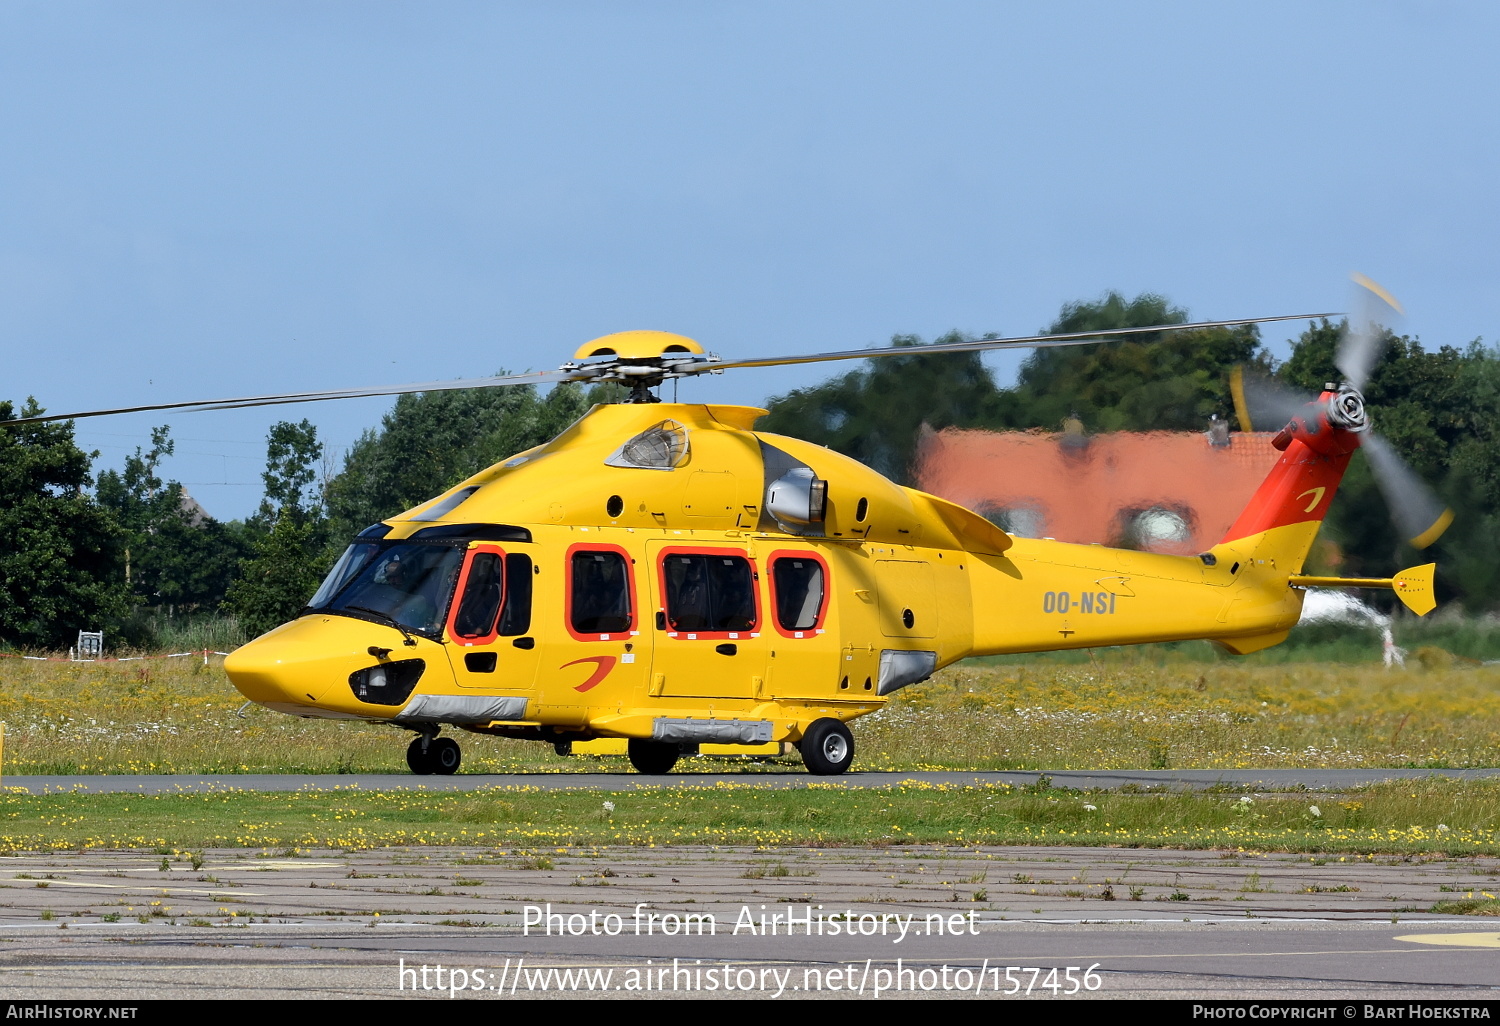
{"type": "Point", "coordinates": [664, 574]}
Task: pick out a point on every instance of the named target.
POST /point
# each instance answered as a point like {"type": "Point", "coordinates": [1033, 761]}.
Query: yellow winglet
{"type": "Point", "coordinates": [1414, 588]}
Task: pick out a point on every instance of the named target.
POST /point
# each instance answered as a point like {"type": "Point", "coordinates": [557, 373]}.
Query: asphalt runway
{"type": "Point", "coordinates": [721, 922]}
{"type": "Point", "coordinates": [694, 922]}
{"type": "Point", "coordinates": [1109, 780]}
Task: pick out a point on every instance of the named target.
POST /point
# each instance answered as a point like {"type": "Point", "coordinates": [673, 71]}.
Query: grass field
{"type": "Point", "coordinates": [1159, 707]}
{"type": "Point", "coordinates": [1125, 709]}
{"type": "Point", "coordinates": [1431, 816]}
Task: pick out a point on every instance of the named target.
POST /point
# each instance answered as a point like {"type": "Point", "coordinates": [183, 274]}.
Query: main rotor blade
{"type": "Point", "coordinates": [1023, 342]}
{"type": "Point", "coordinates": [587, 373]}
{"type": "Point", "coordinates": [500, 381]}
{"type": "Point", "coordinates": [1419, 513]}
{"type": "Point", "coordinates": [1262, 400]}
{"type": "Point", "coordinates": [1364, 338]}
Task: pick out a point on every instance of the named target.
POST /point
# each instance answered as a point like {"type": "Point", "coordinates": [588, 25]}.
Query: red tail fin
{"type": "Point", "coordinates": [1301, 486]}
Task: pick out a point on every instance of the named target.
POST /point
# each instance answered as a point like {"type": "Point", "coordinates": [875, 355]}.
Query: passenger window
{"type": "Point", "coordinates": [481, 598]}
{"type": "Point", "coordinates": [601, 593]}
{"type": "Point", "coordinates": [515, 618]}
{"type": "Point", "coordinates": [709, 593]}
{"type": "Point", "coordinates": [797, 585]}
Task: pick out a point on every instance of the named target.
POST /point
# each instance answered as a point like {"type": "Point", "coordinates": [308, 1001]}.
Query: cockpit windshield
{"type": "Point", "coordinates": [409, 584]}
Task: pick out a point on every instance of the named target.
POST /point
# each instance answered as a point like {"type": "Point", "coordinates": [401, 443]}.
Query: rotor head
{"type": "Point", "coordinates": [640, 359]}
{"type": "Point", "coordinates": [1346, 409]}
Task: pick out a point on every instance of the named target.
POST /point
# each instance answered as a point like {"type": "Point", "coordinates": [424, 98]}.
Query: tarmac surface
{"type": "Point", "coordinates": [628, 922]}
{"type": "Point", "coordinates": [1267, 780]}
{"type": "Point", "coordinates": [691, 922]}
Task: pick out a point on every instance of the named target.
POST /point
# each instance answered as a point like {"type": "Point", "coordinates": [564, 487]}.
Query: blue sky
{"type": "Point", "coordinates": [201, 200]}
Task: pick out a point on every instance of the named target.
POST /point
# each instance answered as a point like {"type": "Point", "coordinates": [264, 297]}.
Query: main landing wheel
{"type": "Point", "coordinates": [441, 757]}
{"type": "Point", "coordinates": [652, 757]}
{"type": "Point", "coordinates": [445, 755]}
{"type": "Point", "coordinates": [827, 747]}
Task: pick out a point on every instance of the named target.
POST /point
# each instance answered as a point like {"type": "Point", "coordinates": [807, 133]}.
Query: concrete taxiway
{"type": "Point", "coordinates": [893, 922]}
{"type": "Point", "coordinates": [736, 922]}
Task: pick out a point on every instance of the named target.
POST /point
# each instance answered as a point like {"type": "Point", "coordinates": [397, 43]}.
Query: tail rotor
{"type": "Point", "coordinates": [1417, 511]}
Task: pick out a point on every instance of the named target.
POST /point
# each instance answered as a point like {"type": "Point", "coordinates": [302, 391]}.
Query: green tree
{"type": "Point", "coordinates": [190, 561]}
{"type": "Point", "coordinates": [289, 535]}
{"type": "Point", "coordinates": [1156, 381]}
{"type": "Point", "coordinates": [140, 501]}
{"type": "Point", "coordinates": [432, 440]}
{"type": "Point", "coordinates": [175, 556]}
{"type": "Point", "coordinates": [60, 550]}
{"type": "Point", "coordinates": [285, 567]}
{"type": "Point", "coordinates": [292, 455]}
{"type": "Point", "coordinates": [876, 414]}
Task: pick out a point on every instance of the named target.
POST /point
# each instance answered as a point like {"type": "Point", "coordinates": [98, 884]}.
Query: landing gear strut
{"type": "Point", "coordinates": [428, 755]}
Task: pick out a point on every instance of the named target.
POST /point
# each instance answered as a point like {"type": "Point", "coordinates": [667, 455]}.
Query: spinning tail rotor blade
{"type": "Point", "coordinates": [1418, 512]}
{"type": "Point", "coordinates": [1364, 339]}
{"type": "Point", "coordinates": [1262, 400]}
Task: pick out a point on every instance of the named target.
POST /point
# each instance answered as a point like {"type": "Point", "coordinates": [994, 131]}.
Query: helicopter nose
{"type": "Point", "coordinates": [303, 667]}
{"type": "Point", "coordinates": [280, 667]}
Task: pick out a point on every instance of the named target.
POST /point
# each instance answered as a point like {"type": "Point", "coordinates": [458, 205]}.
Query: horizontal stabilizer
{"type": "Point", "coordinates": [1413, 587]}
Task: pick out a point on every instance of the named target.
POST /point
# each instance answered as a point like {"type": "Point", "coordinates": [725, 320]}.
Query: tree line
{"type": "Point", "coordinates": [1440, 408]}
{"type": "Point", "coordinates": [122, 550]}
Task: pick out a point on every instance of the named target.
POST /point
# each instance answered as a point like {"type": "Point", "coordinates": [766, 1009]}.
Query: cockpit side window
{"type": "Point", "coordinates": [483, 590]}
{"type": "Point", "coordinates": [515, 617]}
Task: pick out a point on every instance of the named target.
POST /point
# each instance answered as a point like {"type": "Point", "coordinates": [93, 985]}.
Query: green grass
{"type": "Point", "coordinates": [152, 630]}
{"type": "Point", "coordinates": [182, 717]}
{"type": "Point", "coordinates": [1435, 816]}
{"type": "Point", "coordinates": [1468, 907]}
{"type": "Point", "coordinates": [1119, 709]}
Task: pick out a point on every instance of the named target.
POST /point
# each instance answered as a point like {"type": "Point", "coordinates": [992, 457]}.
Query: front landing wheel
{"type": "Point", "coordinates": [827, 747]}
{"type": "Point", "coordinates": [652, 757]}
{"type": "Point", "coordinates": [439, 755]}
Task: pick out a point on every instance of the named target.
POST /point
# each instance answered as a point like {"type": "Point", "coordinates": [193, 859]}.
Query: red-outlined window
{"type": "Point", "coordinates": [600, 593]}
{"type": "Point", "coordinates": [709, 594]}
{"type": "Point", "coordinates": [478, 597]}
{"type": "Point", "coordinates": [799, 592]}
